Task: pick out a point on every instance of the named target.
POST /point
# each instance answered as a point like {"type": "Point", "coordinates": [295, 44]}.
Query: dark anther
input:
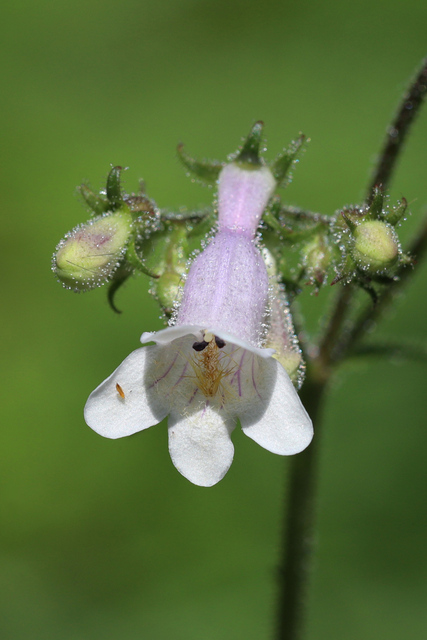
{"type": "Point", "coordinates": [199, 346]}
{"type": "Point", "coordinates": [219, 343]}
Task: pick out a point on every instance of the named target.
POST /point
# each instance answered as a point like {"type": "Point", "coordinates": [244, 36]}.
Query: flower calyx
{"type": "Point", "coordinates": [104, 249]}
{"type": "Point", "coordinates": [247, 157]}
{"type": "Point", "coordinates": [309, 237]}
{"type": "Point", "coordinates": [369, 243]}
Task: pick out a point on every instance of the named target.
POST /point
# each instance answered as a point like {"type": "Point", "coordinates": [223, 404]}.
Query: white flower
{"type": "Point", "coordinates": [203, 392]}
{"type": "Point", "coordinates": [209, 370]}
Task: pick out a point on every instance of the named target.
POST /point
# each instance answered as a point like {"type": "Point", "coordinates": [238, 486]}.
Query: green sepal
{"type": "Point", "coordinates": [142, 207]}
{"type": "Point", "coordinates": [349, 221]}
{"type": "Point", "coordinates": [155, 249]}
{"type": "Point", "coordinates": [207, 171]}
{"type": "Point", "coordinates": [114, 192]}
{"type": "Point", "coordinates": [170, 246]}
{"type": "Point", "coordinates": [397, 212]}
{"type": "Point", "coordinates": [377, 202]}
{"type": "Point", "coordinates": [283, 163]}
{"type": "Point", "coordinates": [289, 269]}
{"type": "Point", "coordinates": [249, 155]}
{"type": "Point", "coordinates": [407, 260]}
{"type": "Point", "coordinates": [120, 278]}
{"type": "Point", "coordinates": [272, 218]}
{"type": "Point", "coordinates": [293, 224]}
{"type": "Point", "coordinates": [98, 203]}
{"type": "Point", "coordinates": [135, 261]}
{"type": "Point", "coordinates": [198, 231]}
{"type": "Point", "coordinates": [189, 216]}
{"type": "Point", "coordinates": [271, 221]}
{"type": "Point", "coordinates": [346, 271]}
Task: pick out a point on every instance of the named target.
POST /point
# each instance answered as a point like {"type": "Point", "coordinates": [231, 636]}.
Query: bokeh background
{"type": "Point", "coordinates": [104, 539]}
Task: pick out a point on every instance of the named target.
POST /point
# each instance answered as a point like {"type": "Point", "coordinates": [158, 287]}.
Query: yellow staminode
{"type": "Point", "coordinates": [211, 368]}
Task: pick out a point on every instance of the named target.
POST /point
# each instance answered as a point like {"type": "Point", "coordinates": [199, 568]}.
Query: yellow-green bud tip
{"type": "Point", "coordinates": [167, 289]}
{"type": "Point", "coordinates": [317, 258]}
{"type": "Point", "coordinates": [376, 247]}
{"type": "Point", "coordinates": [89, 255]}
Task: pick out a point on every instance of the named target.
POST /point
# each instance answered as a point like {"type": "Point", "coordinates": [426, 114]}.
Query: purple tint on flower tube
{"type": "Point", "coordinates": [242, 197]}
{"type": "Point", "coordinates": [227, 288]}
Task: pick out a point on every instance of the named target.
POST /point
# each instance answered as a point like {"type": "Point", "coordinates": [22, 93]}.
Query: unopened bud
{"type": "Point", "coordinates": [317, 257]}
{"type": "Point", "coordinates": [89, 255]}
{"type": "Point", "coordinates": [281, 337]}
{"type": "Point", "coordinates": [376, 246]}
{"type": "Point", "coordinates": [167, 290]}
{"type": "Point", "coordinates": [281, 334]}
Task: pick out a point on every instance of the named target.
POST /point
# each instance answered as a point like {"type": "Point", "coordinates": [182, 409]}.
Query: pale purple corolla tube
{"type": "Point", "coordinates": [227, 286]}
{"type": "Point", "coordinates": [209, 369]}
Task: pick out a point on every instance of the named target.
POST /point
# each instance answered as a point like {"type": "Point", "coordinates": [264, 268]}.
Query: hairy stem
{"type": "Point", "coordinates": [299, 524]}
{"type": "Point", "coordinates": [335, 324]}
{"type": "Point", "coordinates": [336, 343]}
{"type": "Point", "coordinates": [398, 130]}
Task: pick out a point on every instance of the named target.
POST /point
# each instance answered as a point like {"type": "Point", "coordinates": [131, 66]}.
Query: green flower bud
{"type": "Point", "coordinates": [376, 246]}
{"type": "Point", "coordinates": [317, 256]}
{"type": "Point", "coordinates": [281, 337]}
{"type": "Point", "coordinates": [167, 289]}
{"type": "Point", "coordinates": [166, 254]}
{"type": "Point", "coordinates": [281, 334]}
{"type": "Point", "coordinates": [90, 254]}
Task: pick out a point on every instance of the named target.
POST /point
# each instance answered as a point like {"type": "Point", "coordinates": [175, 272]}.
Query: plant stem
{"type": "Point", "coordinates": [398, 130]}
{"type": "Point", "coordinates": [300, 521]}
{"type": "Point", "coordinates": [336, 343]}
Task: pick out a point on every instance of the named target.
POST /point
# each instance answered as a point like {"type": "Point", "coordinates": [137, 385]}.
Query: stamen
{"type": "Point", "coordinates": [219, 343]}
{"type": "Point", "coordinates": [213, 369]}
{"type": "Point", "coordinates": [199, 346]}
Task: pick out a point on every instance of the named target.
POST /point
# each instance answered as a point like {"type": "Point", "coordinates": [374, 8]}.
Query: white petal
{"type": "Point", "coordinates": [114, 416]}
{"type": "Point", "coordinates": [165, 336]}
{"type": "Point", "coordinates": [279, 422]}
{"type": "Point", "coordinates": [200, 445]}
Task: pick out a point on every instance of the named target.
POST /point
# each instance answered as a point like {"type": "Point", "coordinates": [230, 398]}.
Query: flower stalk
{"type": "Point", "coordinates": [341, 336]}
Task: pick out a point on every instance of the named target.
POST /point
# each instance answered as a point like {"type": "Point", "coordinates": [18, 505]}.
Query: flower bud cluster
{"type": "Point", "coordinates": [129, 234]}
{"type": "Point", "coordinates": [369, 244]}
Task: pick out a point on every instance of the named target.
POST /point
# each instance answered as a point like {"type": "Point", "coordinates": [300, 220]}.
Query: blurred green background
{"type": "Point", "coordinates": [104, 539]}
